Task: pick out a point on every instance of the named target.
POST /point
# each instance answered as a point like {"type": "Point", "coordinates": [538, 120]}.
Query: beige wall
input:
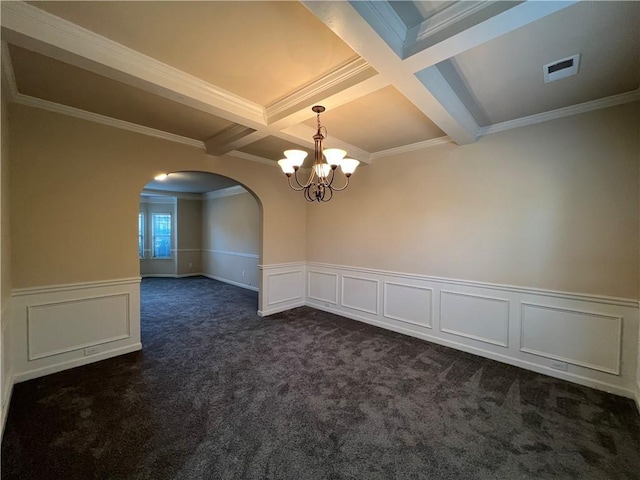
{"type": "Point", "coordinates": [75, 189]}
{"type": "Point", "coordinates": [552, 206]}
{"type": "Point", "coordinates": [231, 238]}
{"type": "Point", "coordinates": [232, 224]}
{"type": "Point", "coordinates": [189, 236]}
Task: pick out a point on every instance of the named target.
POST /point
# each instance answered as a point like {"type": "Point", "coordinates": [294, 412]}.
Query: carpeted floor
{"type": "Point", "coordinates": [220, 393]}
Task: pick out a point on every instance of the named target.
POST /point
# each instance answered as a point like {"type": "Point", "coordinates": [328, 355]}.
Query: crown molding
{"type": "Point", "coordinates": [350, 72]}
{"type": "Point", "coordinates": [598, 104]}
{"type": "Point", "coordinates": [434, 142]}
{"type": "Point", "coordinates": [151, 195]}
{"type": "Point", "coordinates": [103, 120]}
{"type": "Point", "coordinates": [225, 192]}
{"type": "Point", "coordinates": [454, 13]}
{"type": "Point", "coordinates": [63, 40]}
{"type": "Point", "coordinates": [158, 196]}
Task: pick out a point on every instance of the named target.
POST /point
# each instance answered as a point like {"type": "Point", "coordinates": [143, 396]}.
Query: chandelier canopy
{"type": "Point", "coordinates": [319, 187]}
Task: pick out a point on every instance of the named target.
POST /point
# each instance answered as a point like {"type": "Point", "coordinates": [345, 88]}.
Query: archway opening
{"type": "Point", "coordinates": [195, 223]}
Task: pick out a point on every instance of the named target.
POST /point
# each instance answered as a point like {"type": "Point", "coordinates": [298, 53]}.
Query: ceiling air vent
{"type": "Point", "coordinates": [561, 68]}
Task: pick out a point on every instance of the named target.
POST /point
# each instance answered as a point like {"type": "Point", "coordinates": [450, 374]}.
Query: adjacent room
{"type": "Point", "coordinates": [320, 239]}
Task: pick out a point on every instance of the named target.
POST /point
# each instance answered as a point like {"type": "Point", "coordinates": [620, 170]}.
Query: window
{"type": "Point", "coordinates": [141, 235]}
{"type": "Point", "coordinates": [161, 235]}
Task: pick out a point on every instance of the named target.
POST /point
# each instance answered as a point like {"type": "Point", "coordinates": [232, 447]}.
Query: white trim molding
{"type": "Point", "coordinates": [233, 254]}
{"type": "Point", "coordinates": [49, 106]}
{"type": "Point", "coordinates": [598, 104]}
{"type": "Point", "coordinates": [487, 320]}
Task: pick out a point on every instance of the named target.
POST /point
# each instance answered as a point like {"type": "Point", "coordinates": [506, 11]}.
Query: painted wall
{"type": "Point", "coordinates": [552, 206]}
{"type": "Point", "coordinates": [71, 179]}
{"type": "Point", "coordinates": [189, 241]}
{"type": "Point", "coordinates": [522, 247]}
{"type": "Point", "coordinates": [231, 239]}
{"type": "Point", "coordinates": [75, 190]}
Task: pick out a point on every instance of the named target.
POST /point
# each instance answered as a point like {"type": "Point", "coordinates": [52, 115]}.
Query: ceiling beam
{"type": "Point", "coordinates": [373, 30]}
{"type": "Point", "coordinates": [223, 141]}
{"type": "Point", "coordinates": [343, 19]}
{"type": "Point", "coordinates": [34, 29]}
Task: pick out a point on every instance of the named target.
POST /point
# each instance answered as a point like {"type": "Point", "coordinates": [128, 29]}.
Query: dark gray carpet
{"type": "Point", "coordinates": [219, 393]}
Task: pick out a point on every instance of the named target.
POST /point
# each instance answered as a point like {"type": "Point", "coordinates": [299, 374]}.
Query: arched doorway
{"type": "Point", "coordinates": [194, 223]}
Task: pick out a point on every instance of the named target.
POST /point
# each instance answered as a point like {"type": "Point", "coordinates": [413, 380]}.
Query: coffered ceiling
{"type": "Point", "coordinates": [240, 77]}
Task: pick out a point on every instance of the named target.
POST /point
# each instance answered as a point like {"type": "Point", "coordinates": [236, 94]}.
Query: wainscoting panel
{"type": "Point", "coordinates": [322, 287]}
{"type": "Point", "coordinates": [87, 322]}
{"type": "Point", "coordinates": [407, 303]}
{"type": "Point", "coordinates": [592, 340]}
{"type": "Point", "coordinates": [63, 326]}
{"type": "Point", "coordinates": [283, 287]}
{"type": "Point", "coordinates": [476, 317]}
{"type": "Point", "coordinates": [587, 339]}
{"type": "Point", "coordinates": [360, 294]}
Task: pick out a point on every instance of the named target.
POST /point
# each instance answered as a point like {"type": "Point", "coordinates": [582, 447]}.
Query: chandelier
{"type": "Point", "coordinates": [319, 187]}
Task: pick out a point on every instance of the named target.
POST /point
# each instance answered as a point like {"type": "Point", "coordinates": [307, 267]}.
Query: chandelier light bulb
{"type": "Point", "coordinates": [296, 157]}
{"type": "Point", "coordinates": [348, 166]}
{"type": "Point", "coordinates": [287, 166]}
{"type": "Point", "coordinates": [334, 156]}
{"type": "Point", "coordinates": [322, 170]}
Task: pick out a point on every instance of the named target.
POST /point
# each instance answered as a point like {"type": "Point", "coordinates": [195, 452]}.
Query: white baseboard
{"type": "Point", "coordinates": [77, 362]}
{"type": "Point", "coordinates": [284, 308]}
{"type": "Point", "coordinates": [230, 282]}
{"type": "Point", "coordinates": [171, 275]}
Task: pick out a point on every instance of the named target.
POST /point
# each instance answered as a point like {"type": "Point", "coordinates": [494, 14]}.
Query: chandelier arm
{"type": "Point", "coordinates": [333, 176]}
{"type": "Point", "coordinates": [344, 187]}
{"type": "Point", "coordinates": [307, 194]}
{"type": "Point", "coordinates": [330, 196]}
{"type": "Point", "coordinates": [293, 187]}
{"type": "Point", "coordinates": [309, 182]}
